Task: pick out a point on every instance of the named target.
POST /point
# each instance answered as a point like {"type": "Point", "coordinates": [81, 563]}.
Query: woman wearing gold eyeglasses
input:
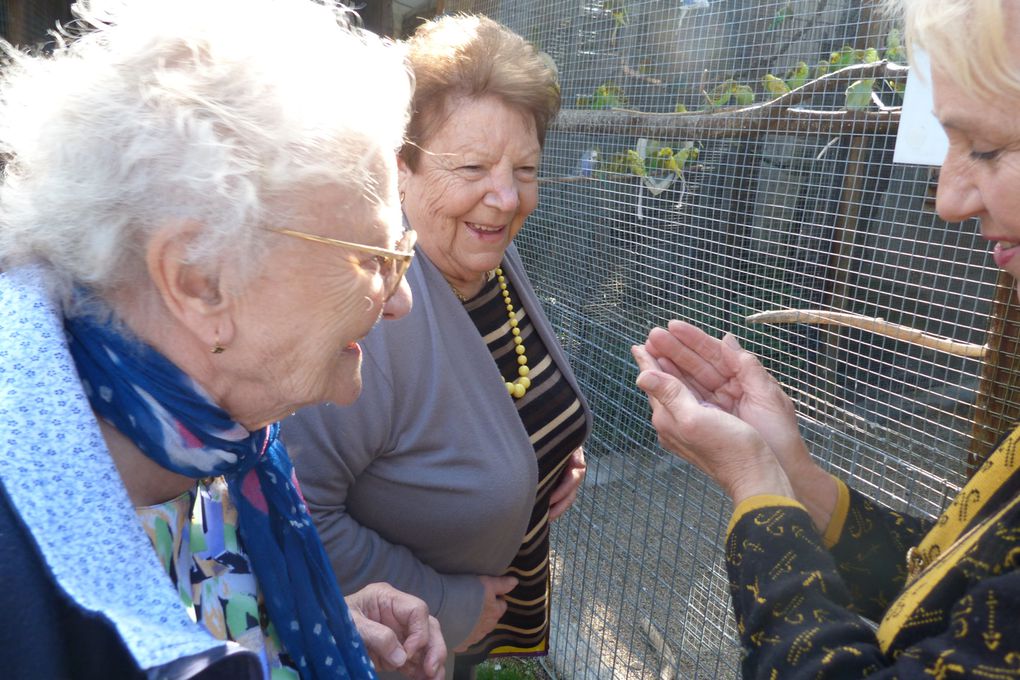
{"type": "Point", "coordinates": [193, 241]}
{"type": "Point", "coordinates": [467, 439]}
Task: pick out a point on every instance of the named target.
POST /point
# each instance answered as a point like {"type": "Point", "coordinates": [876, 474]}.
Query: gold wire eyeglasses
{"type": "Point", "coordinates": [393, 263]}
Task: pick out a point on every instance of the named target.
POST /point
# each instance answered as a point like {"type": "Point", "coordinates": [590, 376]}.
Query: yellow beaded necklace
{"type": "Point", "coordinates": [519, 387]}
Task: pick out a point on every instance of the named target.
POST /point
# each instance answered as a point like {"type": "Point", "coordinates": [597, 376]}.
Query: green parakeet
{"type": "Point", "coordinates": [858, 95]}
{"type": "Point", "coordinates": [607, 96]}
{"type": "Point", "coordinates": [675, 162]}
{"type": "Point", "coordinates": [720, 94]}
{"type": "Point", "coordinates": [797, 76]}
{"type": "Point", "coordinates": [869, 56]}
{"type": "Point", "coordinates": [894, 46]}
{"type": "Point", "coordinates": [744, 95]}
{"type": "Point", "coordinates": [845, 57]}
{"type": "Point", "coordinates": [666, 159]}
{"type": "Point", "coordinates": [775, 85]}
{"type": "Point", "coordinates": [635, 163]}
{"type": "Point", "coordinates": [679, 108]}
{"type": "Point", "coordinates": [821, 68]}
{"type": "Point", "coordinates": [688, 153]}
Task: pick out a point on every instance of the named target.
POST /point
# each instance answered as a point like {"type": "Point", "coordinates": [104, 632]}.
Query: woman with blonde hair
{"type": "Point", "coordinates": [825, 582]}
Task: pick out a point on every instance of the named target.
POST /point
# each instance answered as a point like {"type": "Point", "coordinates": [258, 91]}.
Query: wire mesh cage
{"type": "Point", "coordinates": [27, 23]}
{"type": "Point", "coordinates": [730, 162]}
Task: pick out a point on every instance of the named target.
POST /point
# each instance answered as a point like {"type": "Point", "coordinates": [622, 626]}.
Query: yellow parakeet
{"type": "Point", "coordinates": [775, 85]}
{"type": "Point", "coordinates": [636, 163]}
{"type": "Point", "coordinates": [797, 76]}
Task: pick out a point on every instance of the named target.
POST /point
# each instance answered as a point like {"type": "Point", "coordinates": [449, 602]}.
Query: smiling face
{"type": "Point", "coordinates": [475, 184]}
{"type": "Point", "coordinates": [980, 175]}
{"type": "Point", "coordinates": [299, 322]}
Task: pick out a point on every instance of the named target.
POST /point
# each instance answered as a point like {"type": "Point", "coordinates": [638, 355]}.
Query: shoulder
{"type": "Point", "coordinates": [50, 636]}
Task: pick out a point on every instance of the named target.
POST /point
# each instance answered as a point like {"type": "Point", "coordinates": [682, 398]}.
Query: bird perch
{"type": "Point", "coordinates": [876, 325]}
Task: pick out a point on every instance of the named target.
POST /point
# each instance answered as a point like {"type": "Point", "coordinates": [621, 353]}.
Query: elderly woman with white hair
{"type": "Point", "coordinates": [198, 222]}
{"type": "Point", "coordinates": [808, 556]}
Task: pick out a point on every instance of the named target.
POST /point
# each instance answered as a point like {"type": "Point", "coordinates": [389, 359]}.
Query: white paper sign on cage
{"type": "Point", "coordinates": [920, 139]}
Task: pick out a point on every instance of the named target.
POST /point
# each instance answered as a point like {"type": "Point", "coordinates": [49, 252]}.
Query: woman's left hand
{"type": "Point", "coordinates": [564, 495]}
{"type": "Point", "coordinates": [725, 447]}
{"type": "Point", "coordinates": [398, 631]}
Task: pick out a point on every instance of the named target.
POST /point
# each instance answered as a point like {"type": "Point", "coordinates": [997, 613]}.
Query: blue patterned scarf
{"type": "Point", "coordinates": [175, 423]}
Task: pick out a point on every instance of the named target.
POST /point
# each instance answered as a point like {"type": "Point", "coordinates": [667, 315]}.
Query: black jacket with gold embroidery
{"type": "Point", "coordinates": [800, 607]}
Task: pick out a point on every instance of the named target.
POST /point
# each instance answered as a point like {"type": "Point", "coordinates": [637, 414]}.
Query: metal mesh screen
{"type": "Point", "coordinates": [789, 205]}
{"type": "Point", "coordinates": [26, 22]}
{"type": "Point", "coordinates": [711, 216]}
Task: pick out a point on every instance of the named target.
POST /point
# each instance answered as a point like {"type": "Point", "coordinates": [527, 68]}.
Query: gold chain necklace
{"type": "Point", "coordinates": [519, 387]}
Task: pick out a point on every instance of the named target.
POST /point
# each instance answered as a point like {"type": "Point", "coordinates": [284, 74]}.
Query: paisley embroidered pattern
{"type": "Point", "coordinates": [798, 606]}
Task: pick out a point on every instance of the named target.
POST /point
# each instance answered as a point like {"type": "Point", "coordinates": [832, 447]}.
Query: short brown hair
{"type": "Point", "coordinates": [463, 56]}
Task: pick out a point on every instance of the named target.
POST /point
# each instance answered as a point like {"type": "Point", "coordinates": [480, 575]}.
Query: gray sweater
{"type": "Point", "coordinates": [430, 478]}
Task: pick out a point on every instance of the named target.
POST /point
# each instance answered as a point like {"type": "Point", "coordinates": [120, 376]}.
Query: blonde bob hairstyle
{"type": "Point", "coordinates": [462, 56]}
{"type": "Point", "coordinates": [976, 43]}
{"type": "Point", "coordinates": [210, 112]}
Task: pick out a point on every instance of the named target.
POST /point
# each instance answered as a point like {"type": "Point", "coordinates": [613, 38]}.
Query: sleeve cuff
{"type": "Point", "coordinates": [835, 528]}
{"type": "Point", "coordinates": [758, 502]}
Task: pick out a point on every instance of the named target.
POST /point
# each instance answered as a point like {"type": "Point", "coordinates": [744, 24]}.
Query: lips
{"type": "Point", "coordinates": [1004, 252]}
{"type": "Point", "coordinates": [485, 230]}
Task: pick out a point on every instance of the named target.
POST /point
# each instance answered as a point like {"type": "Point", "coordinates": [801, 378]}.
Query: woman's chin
{"type": "Point", "coordinates": [346, 384]}
{"type": "Point", "coordinates": [347, 392]}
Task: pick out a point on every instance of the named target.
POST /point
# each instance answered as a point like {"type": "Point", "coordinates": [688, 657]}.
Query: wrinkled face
{"type": "Point", "coordinates": [476, 183]}
{"type": "Point", "coordinates": [980, 176]}
{"type": "Point", "coordinates": [315, 301]}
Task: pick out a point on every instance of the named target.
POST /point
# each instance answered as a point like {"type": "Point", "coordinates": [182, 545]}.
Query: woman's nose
{"type": "Point", "coordinates": [399, 304]}
{"type": "Point", "coordinates": [958, 197]}
{"type": "Point", "coordinates": [503, 194]}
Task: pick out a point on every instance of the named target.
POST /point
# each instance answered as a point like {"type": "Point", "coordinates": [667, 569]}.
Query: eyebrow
{"type": "Point", "coordinates": [956, 121]}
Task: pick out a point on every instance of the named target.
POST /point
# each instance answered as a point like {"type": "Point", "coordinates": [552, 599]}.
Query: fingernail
{"type": "Point", "coordinates": [397, 657]}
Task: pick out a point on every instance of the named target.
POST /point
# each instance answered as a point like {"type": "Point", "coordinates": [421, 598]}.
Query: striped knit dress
{"type": "Point", "coordinates": [554, 418]}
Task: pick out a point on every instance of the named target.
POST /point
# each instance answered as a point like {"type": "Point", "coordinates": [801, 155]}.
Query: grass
{"type": "Point", "coordinates": [511, 669]}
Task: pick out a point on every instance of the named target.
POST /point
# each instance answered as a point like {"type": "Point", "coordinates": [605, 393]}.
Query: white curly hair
{"type": "Point", "coordinates": [206, 110]}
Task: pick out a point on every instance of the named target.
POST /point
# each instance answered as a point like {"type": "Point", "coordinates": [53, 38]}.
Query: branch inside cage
{"type": "Point", "coordinates": [782, 114]}
{"type": "Point", "coordinates": [875, 325]}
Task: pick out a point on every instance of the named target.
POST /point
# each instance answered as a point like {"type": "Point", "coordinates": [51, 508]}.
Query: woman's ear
{"type": "Point", "coordinates": [192, 294]}
{"type": "Point", "coordinates": [403, 175]}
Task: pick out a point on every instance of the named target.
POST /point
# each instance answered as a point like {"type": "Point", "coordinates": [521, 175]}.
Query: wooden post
{"type": "Point", "coordinates": [997, 405]}
{"type": "Point", "coordinates": [840, 264]}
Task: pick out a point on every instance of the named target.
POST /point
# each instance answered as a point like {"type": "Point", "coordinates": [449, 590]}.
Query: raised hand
{"type": "Point", "coordinates": [722, 445]}
{"type": "Point", "coordinates": [721, 373]}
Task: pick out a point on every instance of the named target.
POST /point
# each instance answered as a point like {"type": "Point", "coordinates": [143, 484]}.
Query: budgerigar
{"type": "Point", "coordinates": [775, 86]}
{"type": "Point", "coordinates": [858, 95]}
